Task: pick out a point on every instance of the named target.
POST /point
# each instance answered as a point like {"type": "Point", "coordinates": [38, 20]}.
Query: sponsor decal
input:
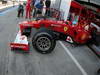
{"type": "Point", "coordinates": [56, 25]}
{"type": "Point", "coordinates": [15, 46]}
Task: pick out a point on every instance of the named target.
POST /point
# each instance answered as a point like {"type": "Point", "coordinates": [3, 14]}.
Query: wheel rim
{"type": "Point", "coordinates": [43, 43]}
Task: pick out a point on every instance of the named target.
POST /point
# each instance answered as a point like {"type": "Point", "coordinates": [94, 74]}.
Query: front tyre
{"type": "Point", "coordinates": [43, 42]}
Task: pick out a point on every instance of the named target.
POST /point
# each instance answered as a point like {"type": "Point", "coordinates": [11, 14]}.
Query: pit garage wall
{"type": "Point", "coordinates": [64, 8]}
{"type": "Point", "coordinates": [55, 4]}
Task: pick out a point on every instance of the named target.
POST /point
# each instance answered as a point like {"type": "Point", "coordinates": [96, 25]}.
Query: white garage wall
{"type": "Point", "coordinates": [64, 8]}
{"type": "Point", "coordinates": [55, 4]}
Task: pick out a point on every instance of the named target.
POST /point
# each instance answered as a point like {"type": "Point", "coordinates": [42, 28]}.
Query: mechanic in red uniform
{"type": "Point", "coordinates": [28, 9]}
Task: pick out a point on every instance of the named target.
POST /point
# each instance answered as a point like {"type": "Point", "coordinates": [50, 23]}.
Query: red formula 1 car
{"type": "Point", "coordinates": [48, 31]}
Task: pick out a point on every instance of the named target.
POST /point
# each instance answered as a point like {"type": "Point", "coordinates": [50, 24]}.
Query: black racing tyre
{"type": "Point", "coordinates": [43, 41]}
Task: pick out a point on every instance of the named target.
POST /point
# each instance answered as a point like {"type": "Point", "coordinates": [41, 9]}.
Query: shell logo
{"type": "Point", "coordinates": [65, 29]}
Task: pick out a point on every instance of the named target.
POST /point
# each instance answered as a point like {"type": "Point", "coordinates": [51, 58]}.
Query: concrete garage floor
{"type": "Point", "coordinates": [66, 59]}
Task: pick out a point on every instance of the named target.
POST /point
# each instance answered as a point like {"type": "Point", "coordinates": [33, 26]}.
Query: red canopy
{"type": "Point", "coordinates": [76, 5]}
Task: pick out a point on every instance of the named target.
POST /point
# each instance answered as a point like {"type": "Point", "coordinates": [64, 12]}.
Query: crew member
{"type": "Point", "coordinates": [28, 9]}
{"type": "Point", "coordinates": [39, 7]}
{"type": "Point", "coordinates": [20, 10]}
{"type": "Point", "coordinates": [47, 3]}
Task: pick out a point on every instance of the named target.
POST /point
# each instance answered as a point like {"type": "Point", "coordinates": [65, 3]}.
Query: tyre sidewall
{"type": "Point", "coordinates": [47, 35]}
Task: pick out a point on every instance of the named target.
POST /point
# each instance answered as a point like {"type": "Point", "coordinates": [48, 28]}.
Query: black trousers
{"type": "Point", "coordinates": [20, 13]}
{"type": "Point", "coordinates": [47, 12]}
{"type": "Point", "coordinates": [34, 13]}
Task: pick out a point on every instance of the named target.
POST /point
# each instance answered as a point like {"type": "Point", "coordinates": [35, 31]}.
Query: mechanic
{"type": "Point", "coordinates": [20, 10]}
{"type": "Point", "coordinates": [28, 9]}
{"type": "Point", "coordinates": [47, 3]}
{"type": "Point", "coordinates": [33, 8]}
{"type": "Point", "coordinates": [32, 4]}
{"type": "Point", "coordinates": [35, 3]}
{"type": "Point", "coordinates": [39, 7]}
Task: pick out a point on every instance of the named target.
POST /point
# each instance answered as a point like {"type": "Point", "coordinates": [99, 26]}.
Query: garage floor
{"type": "Point", "coordinates": [66, 59]}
